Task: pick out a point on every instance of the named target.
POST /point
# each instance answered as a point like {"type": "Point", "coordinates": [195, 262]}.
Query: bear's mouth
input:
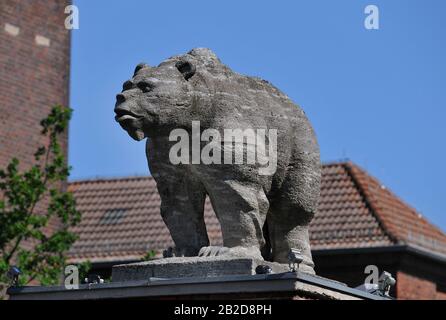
{"type": "Point", "coordinates": [122, 115]}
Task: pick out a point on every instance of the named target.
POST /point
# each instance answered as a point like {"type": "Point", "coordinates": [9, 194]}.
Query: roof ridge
{"type": "Point", "coordinates": [349, 167]}
{"type": "Point", "coordinates": [333, 163]}
{"type": "Point", "coordinates": [142, 177]}
{"type": "Point", "coordinates": [96, 180]}
{"type": "Point", "coordinates": [396, 197]}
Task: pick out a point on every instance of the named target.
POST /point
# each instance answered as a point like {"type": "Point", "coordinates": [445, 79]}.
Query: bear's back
{"type": "Point", "coordinates": [240, 95]}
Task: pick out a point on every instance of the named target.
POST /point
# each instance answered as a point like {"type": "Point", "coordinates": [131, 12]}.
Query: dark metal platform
{"type": "Point", "coordinates": [288, 284]}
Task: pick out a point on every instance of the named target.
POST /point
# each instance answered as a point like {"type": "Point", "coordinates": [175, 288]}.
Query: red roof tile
{"type": "Point", "coordinates": [121, 219]}
{"type": "Point", "coordinates": [401, 222]}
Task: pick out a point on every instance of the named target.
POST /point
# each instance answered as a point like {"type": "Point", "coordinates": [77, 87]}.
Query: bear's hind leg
{"type": "Point", "coordinates": [291, 213]}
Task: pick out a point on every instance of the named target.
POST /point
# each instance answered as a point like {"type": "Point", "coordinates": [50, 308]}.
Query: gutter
{"type": "Point", "coordinates": [404, 248]}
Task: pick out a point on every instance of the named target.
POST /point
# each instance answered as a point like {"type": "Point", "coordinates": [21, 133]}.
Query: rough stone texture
{"type": "Point", "coordinates": [260, 215]}
{"type": "Point", "coordinates": [184, 267]}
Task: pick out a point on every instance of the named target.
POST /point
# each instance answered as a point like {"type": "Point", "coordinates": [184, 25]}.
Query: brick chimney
{"type": "Point", "coordinates": [34, 74]}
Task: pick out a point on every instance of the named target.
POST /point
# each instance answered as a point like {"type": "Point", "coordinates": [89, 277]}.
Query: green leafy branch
{"type": "Point", "coordinates": [32, 199]}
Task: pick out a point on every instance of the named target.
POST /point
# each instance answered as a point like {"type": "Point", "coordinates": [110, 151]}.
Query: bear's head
{"type": "Point", "coordinates": [159, 99]}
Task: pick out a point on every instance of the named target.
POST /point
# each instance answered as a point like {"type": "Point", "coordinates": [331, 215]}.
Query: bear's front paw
{"type": "Point", "coordinates": [175, 252]}
{"type": "Point", "coordinates": [168, 253]}
{"type": "Point", "coordinates": [212, 251]}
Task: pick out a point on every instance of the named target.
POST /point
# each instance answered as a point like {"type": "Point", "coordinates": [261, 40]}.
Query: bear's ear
{"type": "Point", "coordinates": [139, 67]}
{"type": "Point", "coordinates": [186, 68]}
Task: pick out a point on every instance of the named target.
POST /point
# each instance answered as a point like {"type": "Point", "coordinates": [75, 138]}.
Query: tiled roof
{"type": "Point", "coordinates": [344, 218]}
{"type": "Point", "coordinates": [121, 219]}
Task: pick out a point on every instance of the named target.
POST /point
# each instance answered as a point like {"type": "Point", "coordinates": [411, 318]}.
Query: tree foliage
{"type": "Point", "coordinates": [21, 192]}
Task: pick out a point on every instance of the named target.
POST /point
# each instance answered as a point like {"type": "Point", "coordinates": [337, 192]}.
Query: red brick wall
{"type": "Point", "coordinates": [33, 77]}
{"type": "Point", "coordinates": [409, 287]}
{"type": "Point", "coordinates": [441, 295]}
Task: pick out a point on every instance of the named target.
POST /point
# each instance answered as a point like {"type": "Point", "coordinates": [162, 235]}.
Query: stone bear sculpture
{"type": "Point", "coordinates": [261, 215]}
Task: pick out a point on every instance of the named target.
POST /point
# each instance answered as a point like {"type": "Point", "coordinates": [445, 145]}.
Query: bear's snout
{"type": "Point", "coordinates": [120, 98]}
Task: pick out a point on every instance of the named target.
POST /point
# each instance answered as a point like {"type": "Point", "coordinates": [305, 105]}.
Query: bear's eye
{"type": "Point", "coordinates": [145, 86]}
{"type": "Point", "coordinates": [127, 85]}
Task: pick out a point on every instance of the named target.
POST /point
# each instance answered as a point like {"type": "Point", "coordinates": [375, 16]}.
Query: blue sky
{"type": "Point", "coordinates": [376, 97]}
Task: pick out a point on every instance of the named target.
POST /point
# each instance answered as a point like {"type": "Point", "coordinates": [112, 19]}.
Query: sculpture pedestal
{"type": "Point", "coordinates": [191, 267]}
